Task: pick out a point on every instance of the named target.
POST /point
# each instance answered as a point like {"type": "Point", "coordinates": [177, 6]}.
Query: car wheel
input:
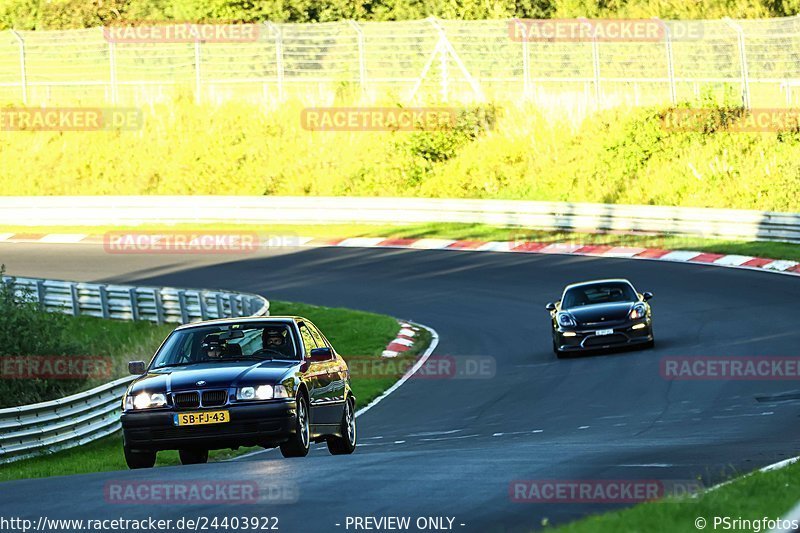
{"type": "Point", "coordinates": [346, 444]}
{"type": "Point", "coordinates": [559, 354]}
{"type": "Point", "coordinates": [136, 460]}
{"type": "Point", "coordinates": [193, 457]}
{"type": "Point", "coordinates": [297, 445]}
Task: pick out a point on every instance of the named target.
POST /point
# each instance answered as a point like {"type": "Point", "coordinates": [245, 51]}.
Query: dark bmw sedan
{"type": "Point", "coordinates": [601, 314]}
{"type": "Point", "coordinates": [271, 382]}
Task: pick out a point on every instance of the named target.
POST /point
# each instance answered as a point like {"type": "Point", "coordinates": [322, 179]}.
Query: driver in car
{"type": "Point", "coordinates": [274, 340]}
{"type": "Point", "coordinates": [212, 347]}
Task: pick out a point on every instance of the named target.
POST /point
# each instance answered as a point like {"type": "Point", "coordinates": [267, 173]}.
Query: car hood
{"type": "Point", "coordinates": [215, 375]}
{"type": "Point", "coordinates": [599, 313]}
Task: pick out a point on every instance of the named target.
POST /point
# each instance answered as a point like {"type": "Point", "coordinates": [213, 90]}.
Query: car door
{"type": "Point", "coordinates": [337, 371]}
{"type": "Point", "coordinates": [319, 381]}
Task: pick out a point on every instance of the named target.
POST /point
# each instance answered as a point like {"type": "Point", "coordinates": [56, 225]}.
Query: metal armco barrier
{"type": "Point", "coordinates": [59, 424]}
{"type": "Point", "coordinates": [126, 302]}
{"type": "Point", "coordinates": [74, 420]}
{"type": "Point", "coordinates": [132, 210]}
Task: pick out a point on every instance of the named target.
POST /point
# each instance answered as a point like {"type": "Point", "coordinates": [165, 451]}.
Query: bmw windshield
{"type": "Point", "coordinates": [229, 342]}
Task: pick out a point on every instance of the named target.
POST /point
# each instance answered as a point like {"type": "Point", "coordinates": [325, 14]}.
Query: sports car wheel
{"type": "Point", "coordinates": [136, 460]}
{"type": "Point", "coordinates": [346, 444]}
{"type": "Point", "coordinates": [193, 457]}
{"type": "Point", "coordinates": [297, 445]}
{"type": "Point", "coordinates": [559, 354]}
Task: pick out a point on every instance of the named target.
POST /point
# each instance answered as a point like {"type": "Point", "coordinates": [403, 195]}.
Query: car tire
{"type": "Point", "coordinates": [193, 457]}
{"type": "Point", "coordinates": [298, 444]}
{"type": "Point", "coordinates": [136, 460]}
{"type": "Point", "coordinates": [559, 354]}
{"type": "Point", "coordinates": [346, 444]}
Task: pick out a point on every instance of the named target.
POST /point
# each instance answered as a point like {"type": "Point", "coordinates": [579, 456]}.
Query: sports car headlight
{"type": "Point", "coordinates": [637, 312]}
{"type": "Point", "coordinates": [145, 400]}
{"type": "Point", "coordinates": [262, 392]}
{"type": "Point", "coordinates": [565, 320]}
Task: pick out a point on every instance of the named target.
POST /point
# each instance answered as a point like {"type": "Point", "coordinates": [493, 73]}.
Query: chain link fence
{"type": "Point", "coordinates": [750, 62]}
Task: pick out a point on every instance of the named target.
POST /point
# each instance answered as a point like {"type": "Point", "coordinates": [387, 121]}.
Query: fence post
{"type": "Point", "coordinates": [220, 308]}
{"type": "Point", "coordinates": [134, 303]}
{"type": "Point", "coordinates": [197, 79]}
{"type": "Point", "coordinates": [595, 63]}
{"type": "Point", "coordinates": [278, 57]}
{"type": "Point", "coordinates": [742, 61]}
{"type": "Point", "coordinates": [76, 304]}
{"type": "Point", "coordinates": [40, 294]}
{"type": "Point", "coordinates": [112, 63]}
{"type": "Point", "coordinates": [362, 62]}
{"type": "Point", "coordinates": [23, 69]}
{"type": "Point", "coordinates": [159, 305]}
{"type": "Point", "coordinates": [201, 297]}
{"type": "Point", "coordinates": [104, 310]}
{"type": "Point", "coordinates": [526, 67]}
{"type": "Point", "coordinates": [183, 308]}
{"type": "Point", "coordinates": [673, 93]}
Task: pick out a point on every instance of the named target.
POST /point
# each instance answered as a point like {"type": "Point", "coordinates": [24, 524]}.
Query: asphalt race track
{"type": "Point", "coordinates": [451, 447]}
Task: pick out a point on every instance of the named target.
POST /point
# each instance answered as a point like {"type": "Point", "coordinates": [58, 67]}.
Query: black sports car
{"type": "Point", "coordinates": [601, 314]}
{"type": "Point", "coordinates": [228, 383]}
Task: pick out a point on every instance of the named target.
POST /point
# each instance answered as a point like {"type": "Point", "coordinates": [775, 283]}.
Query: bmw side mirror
{"type": "Point", "coordinates": [647, 295]}
{"type": "Point", "coordinates": [550, 306]}
{"type": "Point", "coordinates": [319, 355]}
{"type": "Point", "coordinates": [137, 368]}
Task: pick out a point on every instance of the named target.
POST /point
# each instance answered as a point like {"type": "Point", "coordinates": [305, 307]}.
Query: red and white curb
{"type": "Point", "coordinates": [403, 342]}
{"type": "Point", "coordinates": [525, 247]}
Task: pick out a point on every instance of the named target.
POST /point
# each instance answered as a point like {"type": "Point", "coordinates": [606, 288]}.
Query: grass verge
{"type": "Point", "coordinates": [773, 250]}
{"type": "Point", "coordinates": [353, 334]}
{"type": "Point", "coordinates": [761, 494]}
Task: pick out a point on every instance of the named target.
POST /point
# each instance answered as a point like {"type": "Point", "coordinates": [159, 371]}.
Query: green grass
{"type": "Point", "coordinates": [353, 333]}
{"type": "Point", "coordinates": [119, 341]}
{"type": "Point", "coordinates": [504, 151]}
{"type": "Point", "coordinates": [773, 250]}
{"type": "Point", "coordinates": [761, 494]}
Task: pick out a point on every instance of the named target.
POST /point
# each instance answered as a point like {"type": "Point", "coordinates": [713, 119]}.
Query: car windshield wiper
{"type": "Point", "coordinates": [247, 358]}
{"type": "Point", "coordinates": [169, 365]}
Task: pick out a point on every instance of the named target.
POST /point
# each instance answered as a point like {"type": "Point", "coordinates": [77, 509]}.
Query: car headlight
{"type": "Point", "coordinates": [566, 320]}
{"type": "Point", "coordinates": [145, 400]}
{"type": "Point", "coordinates": [637, 312]}
{"type": "Point", "coordinates": [262, 392]}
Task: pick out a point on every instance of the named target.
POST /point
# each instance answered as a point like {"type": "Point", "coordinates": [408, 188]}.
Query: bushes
{"type": "Point", "coordinates": [61, 14]}
{"type": "Point", "coordinates": [25, 330]}
{"type": "Point", "coordinates": [617, 156]}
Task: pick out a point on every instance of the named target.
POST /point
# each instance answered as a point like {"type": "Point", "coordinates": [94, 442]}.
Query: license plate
{"type": "Point", "coordinates": [604, 332]}
{"type": "Point", "coordinates": [197, 419]}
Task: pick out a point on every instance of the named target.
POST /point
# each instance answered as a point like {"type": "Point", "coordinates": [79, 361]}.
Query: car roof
{"type": "Point", "coordinates": [243, 320]}
{"type": "Point", "coordinates": [596, 281]}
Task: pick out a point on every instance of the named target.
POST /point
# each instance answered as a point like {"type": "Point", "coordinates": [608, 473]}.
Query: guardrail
{"type": "Point", "coordinates": [133, 210]}
{"type": "Point", "coordinates": [126, 302]}
{"type": "Point", "coordinates": [29, 430]}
